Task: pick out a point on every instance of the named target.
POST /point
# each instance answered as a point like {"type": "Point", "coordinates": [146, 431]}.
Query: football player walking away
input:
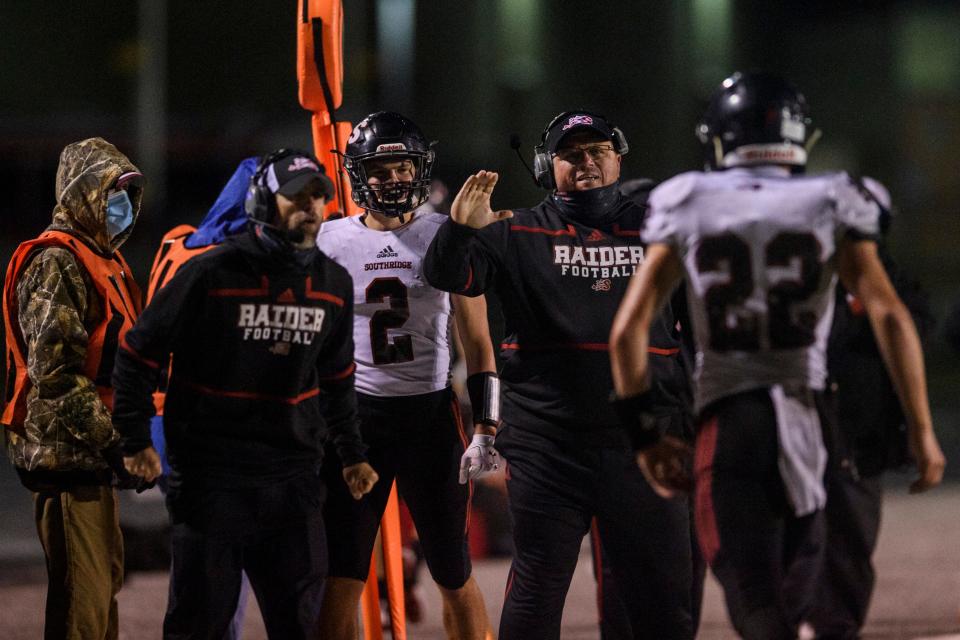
{"type": "Point", "coordinates": [560, 270]}
{"type": "Point", "coordinates": [409, 415]}
{"type": "Point", "coordinates": [761, 247]}
{"type": "Point", "coordinates": [259, 331]}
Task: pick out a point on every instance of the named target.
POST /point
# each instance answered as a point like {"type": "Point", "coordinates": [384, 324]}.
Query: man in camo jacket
{"type": "Point", "coordinates": [68, 300]}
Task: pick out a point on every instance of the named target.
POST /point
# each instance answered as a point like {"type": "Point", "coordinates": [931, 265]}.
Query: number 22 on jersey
{"type": "Point", "coordinates": [735, 326]}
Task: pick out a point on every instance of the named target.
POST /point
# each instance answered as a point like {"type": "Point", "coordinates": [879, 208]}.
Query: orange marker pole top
{"type": "Point", "coordinates": [320, 54]}
{"type": "Point", "coordinates": [320, 81]}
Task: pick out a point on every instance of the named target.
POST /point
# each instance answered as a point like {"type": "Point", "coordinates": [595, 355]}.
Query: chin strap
{"type": "Point", "coordinates": [813, 139]}
{"type": "Point", "coordinates": [718, 152]}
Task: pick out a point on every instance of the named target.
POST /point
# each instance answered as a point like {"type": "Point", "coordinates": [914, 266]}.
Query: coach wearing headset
{"type": "Point", "coordinates": [260, 331]}
{"type": "Point", "coordinates": [560, 270]}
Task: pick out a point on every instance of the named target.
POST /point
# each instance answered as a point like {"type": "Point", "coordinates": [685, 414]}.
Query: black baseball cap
{"type": "Point", "coordinates": [571, 121]}
{"type": "Point", "coordinates": [289, 174]}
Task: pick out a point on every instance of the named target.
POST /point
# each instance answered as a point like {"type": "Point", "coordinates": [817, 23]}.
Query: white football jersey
{"type": "Point", "coordinates": [401, 325]}
{"type": "Point", "coordinates": [759, 250]}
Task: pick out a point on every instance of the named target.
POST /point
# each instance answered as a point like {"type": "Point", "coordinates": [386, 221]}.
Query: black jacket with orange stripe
{"type": "Point", "coordinates": [560, 283]}
{"type": "Point", "coordinates": [261, 348]}
{"type": "Point", "coordinates": [171, 256]}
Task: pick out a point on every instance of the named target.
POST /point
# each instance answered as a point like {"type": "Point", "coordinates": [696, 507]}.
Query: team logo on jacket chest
{"type": "Point", "coordinates": [597, 262]}
{"type": "Point", "coordinates": [290, 324]}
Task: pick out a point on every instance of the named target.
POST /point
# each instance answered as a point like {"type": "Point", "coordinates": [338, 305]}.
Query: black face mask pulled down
{"type": "Point", "coordinates": [283, 242]}
{"type": "Point", "coordinates": [593, 207]}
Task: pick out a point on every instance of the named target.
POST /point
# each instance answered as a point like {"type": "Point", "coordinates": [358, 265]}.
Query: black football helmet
{"type": "Point", "coordinates": [755, 118]}
{"type": "Point", "coordinates": [384, 135]}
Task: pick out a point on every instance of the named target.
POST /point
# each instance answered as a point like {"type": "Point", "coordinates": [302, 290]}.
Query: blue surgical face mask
{"type": "Point", "coordinates": [119, 213]}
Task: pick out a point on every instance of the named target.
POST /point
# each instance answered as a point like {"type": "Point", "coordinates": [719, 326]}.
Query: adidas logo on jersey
{"type": "Point", "coordinates": [595, 236]}
{"type": "Point", "coordinates": [387, 252]}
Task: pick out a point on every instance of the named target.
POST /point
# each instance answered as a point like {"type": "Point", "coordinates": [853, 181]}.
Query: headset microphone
{"type": "Point", "coordinates": [293, 236]}
{"type": "Point", "coordinates": [515, 145]}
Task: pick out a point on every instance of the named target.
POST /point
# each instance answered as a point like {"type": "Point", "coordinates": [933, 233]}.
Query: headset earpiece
{"type": "Point", "coordinates": [542, 162]}
{"type": "Point", "coordinates": [620, 141]}
{"type": "Point", "coordinates": [543, 169]}
{"type": "Point", "coordinates": [260, 204]}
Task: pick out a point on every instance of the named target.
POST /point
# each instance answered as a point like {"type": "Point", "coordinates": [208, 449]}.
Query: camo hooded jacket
{"type": "Point", "coordinates": [67, 425]}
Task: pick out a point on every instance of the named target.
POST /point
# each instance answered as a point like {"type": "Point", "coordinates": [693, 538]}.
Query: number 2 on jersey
{"type": "Point", "coordinates": [401, 349]}
{"type": "Point", "coordinates": [734, 326]}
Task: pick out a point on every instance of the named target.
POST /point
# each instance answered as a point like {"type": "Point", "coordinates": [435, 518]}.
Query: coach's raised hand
{"type": "Point", "coordinates": [471, 207]}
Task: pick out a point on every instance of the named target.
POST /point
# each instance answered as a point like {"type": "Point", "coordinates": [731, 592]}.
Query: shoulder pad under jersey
{"type": "Point", "coordinates": [674, 191]}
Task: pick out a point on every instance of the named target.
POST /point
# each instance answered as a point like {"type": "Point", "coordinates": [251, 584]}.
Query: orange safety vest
{"type": "Point", "coordinates": [120, 297]}
{"type": "Point", "coordinates": [171, 255]}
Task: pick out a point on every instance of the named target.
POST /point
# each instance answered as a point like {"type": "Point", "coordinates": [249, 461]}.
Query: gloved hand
{"type": "Point", "coordinates": [479, 458]}
{"type": "Point", "coordinates": [123, 479]}
{"type": "Point", "coordinates": [360, 479]}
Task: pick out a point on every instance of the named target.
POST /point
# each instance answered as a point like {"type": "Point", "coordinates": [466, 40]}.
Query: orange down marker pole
{"type": "Point", "coordinates": [320, 79]}
{"type": "Point", "coordinates": [393, 573]}
{"type": "Point", "coordinates": [370, 604]}
{"type": "Point", "coordinates": [393, 564]}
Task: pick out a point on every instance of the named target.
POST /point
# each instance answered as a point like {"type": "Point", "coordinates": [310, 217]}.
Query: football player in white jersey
{"type": "Point", "coordinates": [409, 415]}
{"type": "Point", "coordinates": [761, 247]}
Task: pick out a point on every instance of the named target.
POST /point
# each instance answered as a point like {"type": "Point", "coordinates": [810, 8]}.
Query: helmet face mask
{"type": "Point", "coordinates": [388, 137]}
{"type": "Point", "coordinates": [392, 199]}
{"type": "Point", "coordinates": [755, 119]}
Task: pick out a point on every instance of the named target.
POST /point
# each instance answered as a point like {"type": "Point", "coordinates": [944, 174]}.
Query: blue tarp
{"type": "Point", "coordinates": [226, 217]}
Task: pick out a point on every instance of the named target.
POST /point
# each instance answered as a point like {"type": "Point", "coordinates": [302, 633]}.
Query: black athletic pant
{"type": "Point", "coordinates": [764, 557]}
{"type": "Point", "coordinates": [614, 619]}
{"type": "Point", "coordinates": [275, 533]}
{"type": "Point", "coordinates": [555, 489]}
{"type": "Point", "coordinates": [417, 441]}
{"type": "Point", "coordinates": [847, 578]}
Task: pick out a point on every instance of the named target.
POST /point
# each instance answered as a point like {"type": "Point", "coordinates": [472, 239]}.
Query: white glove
{"type": "Point", "coordinates": [479, 458]}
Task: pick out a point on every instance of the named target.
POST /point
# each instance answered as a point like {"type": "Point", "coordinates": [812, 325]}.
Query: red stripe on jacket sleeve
{"type": "Point", "coordinates": [346, 373]}
{"type": "Point", "coordinates": [126, 347]}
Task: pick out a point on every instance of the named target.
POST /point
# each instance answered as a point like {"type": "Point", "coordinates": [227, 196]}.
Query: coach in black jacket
{"type": "Point", "coordinates": [260, 335]}
{"type": "Point", "coordinates": [560, 270]}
